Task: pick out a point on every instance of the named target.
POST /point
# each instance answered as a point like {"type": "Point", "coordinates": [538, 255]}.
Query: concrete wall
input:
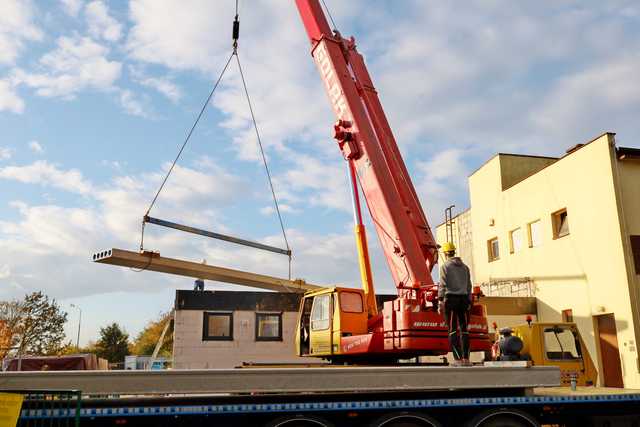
{"type": "Point", "coordinates": [462, 238]}
{"type": "Point", "coordinates": [585, 271]}
{"type": "Point", "coordinates": [191, 352]}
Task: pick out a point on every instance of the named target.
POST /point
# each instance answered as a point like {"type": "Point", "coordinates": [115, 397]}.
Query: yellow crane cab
{"type": "Point", "coordinates": [326, 316]}
{"type": "Point", "coordinates": [558, 344]}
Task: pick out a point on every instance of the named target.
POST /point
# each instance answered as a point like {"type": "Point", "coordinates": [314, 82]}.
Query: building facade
{"type": "Point", "coordinates": [569, 226]}
{"type": "Point", "coordinates": [224, 329]}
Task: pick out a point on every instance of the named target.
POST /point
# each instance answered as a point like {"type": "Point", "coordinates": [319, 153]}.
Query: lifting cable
{"type": "Point", "coordinates": [147, 218]}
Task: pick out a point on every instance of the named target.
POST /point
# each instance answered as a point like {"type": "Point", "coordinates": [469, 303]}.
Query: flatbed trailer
{"type": "Point", "coordinates": [327, 396]}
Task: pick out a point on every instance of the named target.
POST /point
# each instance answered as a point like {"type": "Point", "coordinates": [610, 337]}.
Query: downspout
{"type": "Point", "coordinates": [631, 279]}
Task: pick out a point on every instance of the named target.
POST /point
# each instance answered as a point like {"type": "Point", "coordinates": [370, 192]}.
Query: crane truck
{"type": "Point", "coordinates": [340, 324]}
{"type": "Point", "coordinates": [344, 324]}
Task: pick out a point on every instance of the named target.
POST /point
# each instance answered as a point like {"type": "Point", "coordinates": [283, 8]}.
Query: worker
{"type": "Point", "coordinates": [454, 293]}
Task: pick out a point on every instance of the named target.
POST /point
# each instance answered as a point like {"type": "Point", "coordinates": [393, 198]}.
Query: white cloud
{"type": "Point", "coordinates": [78, 63]}
{"type": "Point", "coordinates": [71, 7]}
{"type": "Point", "coordinates": [284, 208]}
{"type": "Point", "coordinates": [46, 174]}
{"type": "Point", "coordinates": [5, 153]}
{"type": "Point", "coordinates": [16, 28]}
{"type": "Point", "coordinates": [36, 147]}
{"type": "Point", "coordinates": [9, 99]}
{"type": "Point", "coordinates": [53, 243]}
{"type": "Point", "coordinates": [5, 271]}
{"type": "Point", "coordinates": [441, 182]}
{"type": "Point", "coordinates": [101, 23]}
{"type": "Point", "coordinates": [316, 182]}
{"type": "Point", "coordinates": [161, 84]}
{"type": "Point", "coordinates": [132, 105]}
{"type": "Point", "coordinates": [587, 103]}
{"type": "Point", "coordinates": [185, 46]}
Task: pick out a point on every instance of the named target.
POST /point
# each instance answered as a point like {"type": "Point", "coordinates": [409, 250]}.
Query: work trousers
{"type": "Point", "coordinates": [456, 311]}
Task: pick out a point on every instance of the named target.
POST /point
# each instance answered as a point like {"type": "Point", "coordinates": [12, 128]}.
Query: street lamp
{"type": "Point", "coordinates": [79, 322]}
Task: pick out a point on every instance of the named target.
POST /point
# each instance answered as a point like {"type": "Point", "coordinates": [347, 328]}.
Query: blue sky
{"type": "Point", "coordinates": [96, 96]}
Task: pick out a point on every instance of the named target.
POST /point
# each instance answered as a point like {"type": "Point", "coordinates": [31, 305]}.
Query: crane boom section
{"type": "Point", "coordinates": [365, 138]}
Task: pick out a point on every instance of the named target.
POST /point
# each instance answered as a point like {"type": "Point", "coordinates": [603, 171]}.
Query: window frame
{"type": "Point", "coordinates": [530, 233]}
{"type": "Point", "coordinates": [567, 315]}
{"type": "Point", "coordinates": [257, 323]}
{"type": "Point", "coordinates": [311, 320]}
{"type": "Point", "coordinates": [576, 345]}
{"type": "Point", "coordinates": [491, 255]}
{"type": "Point", "coordinates": [362, 307]}
{"type": "Point", "coordinates": [634, 240]}
{"type": "Point", "coordinates": [555, 222]}
{"type": "Point", "coordinates": [512, 249]}
{"type": "Point", "coordinates": [205, 326]}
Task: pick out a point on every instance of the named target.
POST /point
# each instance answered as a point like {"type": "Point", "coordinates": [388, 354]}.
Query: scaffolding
{"type": "Point", "coordinates": [509, 287]}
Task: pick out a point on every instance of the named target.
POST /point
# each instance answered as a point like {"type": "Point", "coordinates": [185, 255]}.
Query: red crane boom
{"type": "Point", "coordinates": [409, 325]}
{"type": "Point", "coordinates": [366, 140]}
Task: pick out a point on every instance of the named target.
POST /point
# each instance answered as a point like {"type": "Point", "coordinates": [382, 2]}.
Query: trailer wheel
{"type": "Point", "coordinates": [406, 419]}
{"type": "Point", "coordinates": [503, 417]}
{"type": "Point", "coordinates": [299, 421]}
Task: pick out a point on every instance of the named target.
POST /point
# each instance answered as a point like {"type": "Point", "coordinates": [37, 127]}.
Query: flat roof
{"type": "Point", "coordinates": [512, 155]}
{"type": "Point", "coordinates": [628, 153]}
{"type": "Point", "coordinates": [572, 150]}
{"type": "Point", "coordinates": [245, 300]}
{"type": "Point", "coordinates": [454, 217]}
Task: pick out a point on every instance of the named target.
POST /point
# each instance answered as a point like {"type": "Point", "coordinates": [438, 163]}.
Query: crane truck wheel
{"type": "Point", "coordinates": [503, 417]}
{"type": "Point", "coordinates": [406, 419]}
{"type": "Point", "coordinates": [299, 421]}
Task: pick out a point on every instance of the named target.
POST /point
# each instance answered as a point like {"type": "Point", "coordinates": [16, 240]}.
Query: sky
{"type": "Point", "coordinates": [96, 98]}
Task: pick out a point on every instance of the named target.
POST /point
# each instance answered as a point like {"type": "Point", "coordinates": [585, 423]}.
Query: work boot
{"type": "Point", "coordinates": [465, 362]}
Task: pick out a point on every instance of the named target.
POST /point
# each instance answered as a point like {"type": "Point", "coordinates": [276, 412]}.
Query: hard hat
{"type": "Point", "coordinates": [448, 247]}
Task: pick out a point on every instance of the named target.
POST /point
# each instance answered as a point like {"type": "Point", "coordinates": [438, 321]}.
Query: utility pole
{"type": "Point", "coordinates": [79, 324]}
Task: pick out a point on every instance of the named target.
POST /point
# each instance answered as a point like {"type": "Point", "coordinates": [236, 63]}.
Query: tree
{"type": "Point", "coordinates": [147, 339]}
{"type": "Point", "coordinates": [113, 344]}
{"type": "Point", "coordinates": [35, 325]}
{"type": "Point", "coordinates": [10, 316]}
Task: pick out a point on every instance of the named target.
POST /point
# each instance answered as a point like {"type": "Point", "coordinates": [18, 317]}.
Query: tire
{"type": "Point", "coordinates": [299, 421]}
{"type": "Point", "coordinates": [503, 417]}
{"type": "Point", "coordinates": [406, 419]}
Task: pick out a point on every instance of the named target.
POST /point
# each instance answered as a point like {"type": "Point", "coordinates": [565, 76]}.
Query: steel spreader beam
{"type": "Point", "coordinates": [152, 261]}
{"type": "Point", "coordinates": [226, 238]}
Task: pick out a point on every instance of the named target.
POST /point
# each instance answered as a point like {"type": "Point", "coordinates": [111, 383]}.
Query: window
{"type": "Point", "coordinates": [351, 302]}
{"type": "Point", "coordinates": [493, 249]}
{"type": "Point", "coordinates": [268, 326]}
{"type": "Point", "coordinates": [560, 223]}
{"type": "Point", "coordinates": [515, 240]}
{"type": "Point", "coordinates": [635, 249]}
{"type": "Point", "coordinates": [320, 312]}
{"type": "Point", "coordinates": [535, 234]}
{"type": "Point", "coordinates": [561, 344]}
{"type": "Point", "coordinates": [217, 327]}
{"type": "Point", "coordinates": [567, 315]}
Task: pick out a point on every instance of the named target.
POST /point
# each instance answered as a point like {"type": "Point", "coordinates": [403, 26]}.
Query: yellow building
{"type": "Point", "coordinates": [568, 230]}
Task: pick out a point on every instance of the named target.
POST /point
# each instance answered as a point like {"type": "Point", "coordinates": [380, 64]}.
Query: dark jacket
{"type": "Point", "coordinates": [455, 278]}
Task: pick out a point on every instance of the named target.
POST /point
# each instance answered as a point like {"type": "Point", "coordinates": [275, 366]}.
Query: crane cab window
{"type": "Point", "coordinates": [561, 344]}
{"type": "Point", "coordinates": [351, 302]}
{"type": "Point", "coordinates": [320, 312]}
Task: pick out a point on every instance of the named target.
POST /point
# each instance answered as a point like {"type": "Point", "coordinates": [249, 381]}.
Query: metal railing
{"type": "Point", "coordinates": [51, 408]}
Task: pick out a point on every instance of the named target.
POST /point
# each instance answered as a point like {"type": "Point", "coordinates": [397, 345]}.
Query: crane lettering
{"type": "Point", "coordinates": [331, 82]}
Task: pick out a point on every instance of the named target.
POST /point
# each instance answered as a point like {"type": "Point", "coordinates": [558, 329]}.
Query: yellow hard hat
{"type": "Point", "coordinates": [448, 247]}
